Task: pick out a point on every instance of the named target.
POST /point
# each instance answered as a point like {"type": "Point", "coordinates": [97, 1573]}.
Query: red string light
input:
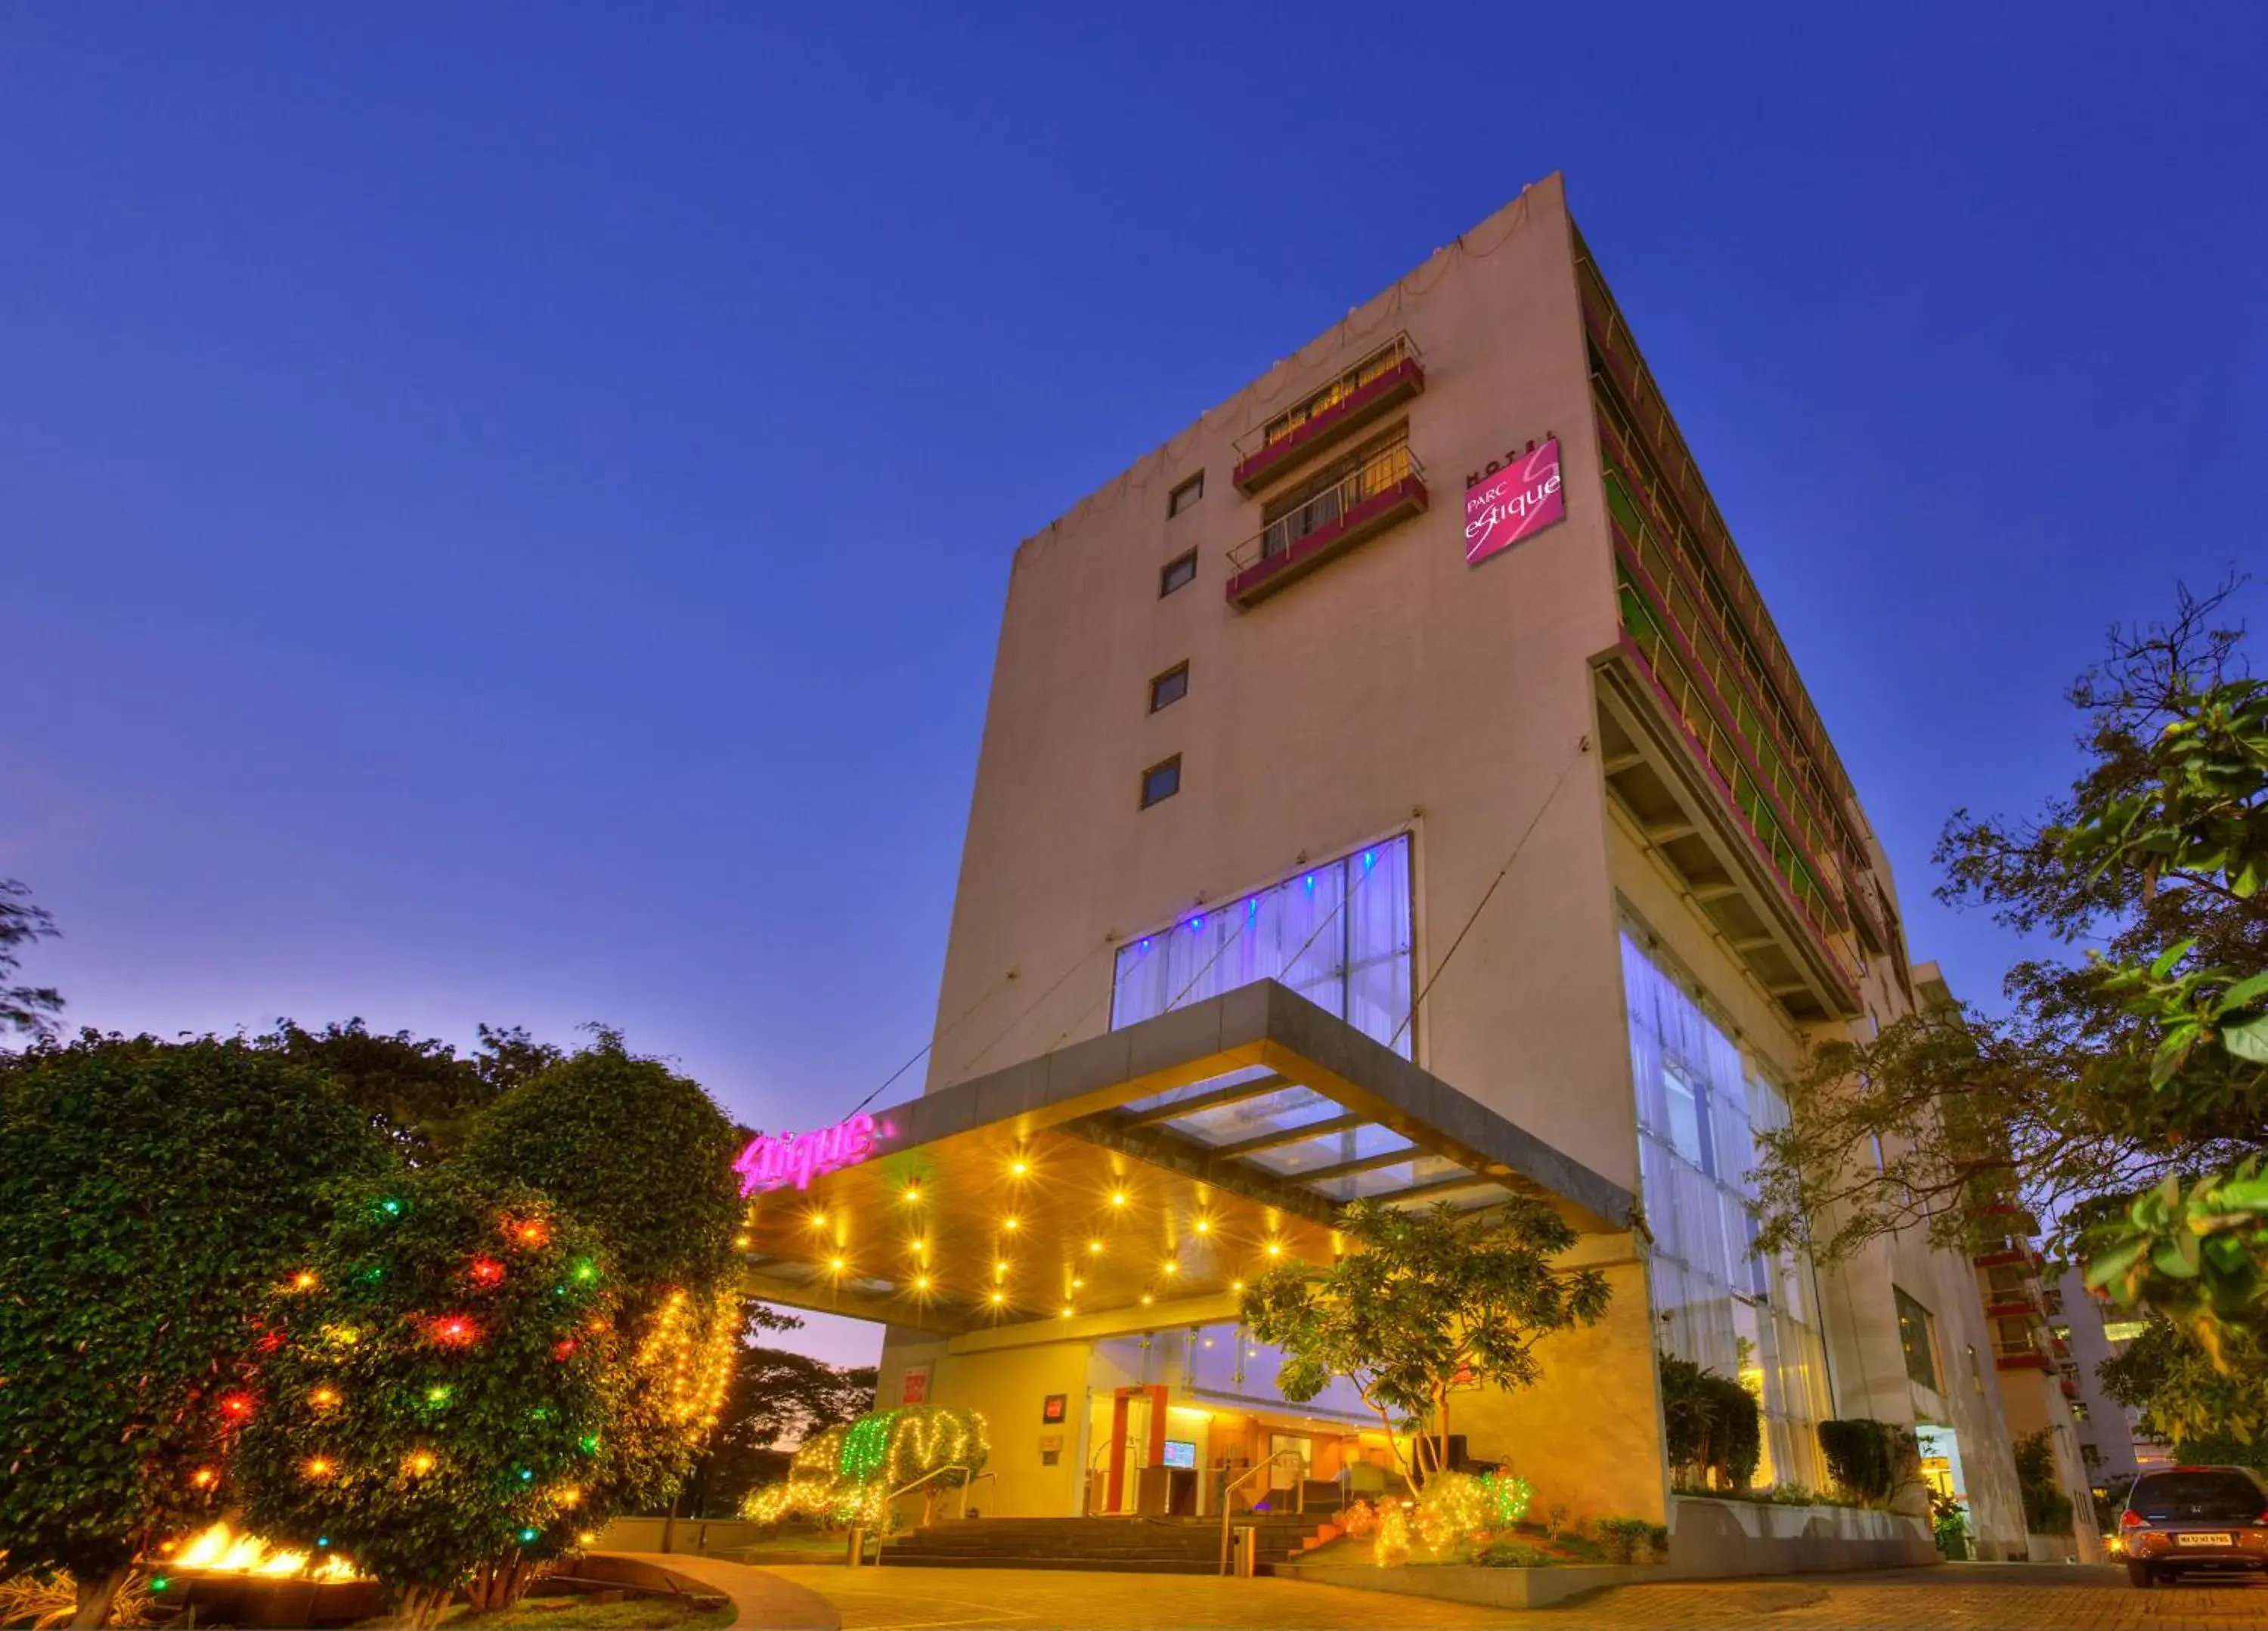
{"type": "Point", "coordinates": [236, 1406]}
{"type": "Point", "coordinates": [455, 1331]}
{"type": "Point", "coordinates": [486, 1271]}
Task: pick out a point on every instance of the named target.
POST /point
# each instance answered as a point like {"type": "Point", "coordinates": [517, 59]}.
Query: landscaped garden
{"type": "Point", "coordinates": [313, 1327]}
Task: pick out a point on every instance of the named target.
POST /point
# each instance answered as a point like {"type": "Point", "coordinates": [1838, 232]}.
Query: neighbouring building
{"type": "Point", "coordinates": [2084, 1332]}
{"type": "Point", "coordinates": [1393, 786]}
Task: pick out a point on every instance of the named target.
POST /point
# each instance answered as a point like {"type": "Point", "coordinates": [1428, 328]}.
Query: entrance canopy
{"type": "Point", "coordinates": [1169, 1160]}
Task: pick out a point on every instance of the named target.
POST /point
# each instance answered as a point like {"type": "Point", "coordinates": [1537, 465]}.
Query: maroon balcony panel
{"type": "Point", "coordinates": [2022, 1362]}
{"type": "Point", "coordinates": [2025, 1309]}
{"type": "Point", "coordinates": [1406, 497]}
{"type": "Point", "coordinates": [1406, 378]}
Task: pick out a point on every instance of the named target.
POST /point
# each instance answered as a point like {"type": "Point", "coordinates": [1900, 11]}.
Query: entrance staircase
{"type": "Point", "coordinates": [1148, 1546]}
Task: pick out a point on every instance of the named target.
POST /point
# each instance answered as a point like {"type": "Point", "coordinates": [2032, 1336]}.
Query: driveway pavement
{"type": "Point", "coordinates": [1955, 1598]}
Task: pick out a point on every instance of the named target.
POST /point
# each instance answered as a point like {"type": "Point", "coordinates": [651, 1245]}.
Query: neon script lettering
{"type": "Point", "coordinates": [798, 1157]}
{"type": "Point", "coordinates": [1513, 500]}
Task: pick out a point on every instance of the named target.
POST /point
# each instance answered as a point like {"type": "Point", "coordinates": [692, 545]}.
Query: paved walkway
{"type": "Point", "coordinates": [761, 1597]}
{"type": "Point", "coordinates": [2011, 1598]}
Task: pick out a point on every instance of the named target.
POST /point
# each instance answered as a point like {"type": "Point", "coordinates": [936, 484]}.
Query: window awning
{"type": "Point", "coordinates": [1171, 1159]}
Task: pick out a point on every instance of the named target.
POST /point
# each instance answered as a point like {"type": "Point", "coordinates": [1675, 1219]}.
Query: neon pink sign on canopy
{"type": "Point", "coordinates": [798, 1157]}
{"type": "Point", "coordinates": [1512, 503]}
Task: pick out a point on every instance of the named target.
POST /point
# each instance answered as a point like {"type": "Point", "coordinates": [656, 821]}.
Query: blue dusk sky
{"type": "Point", "coordinates": [504, 509]}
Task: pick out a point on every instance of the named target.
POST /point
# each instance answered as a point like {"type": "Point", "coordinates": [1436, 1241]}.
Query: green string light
{"type": "Point", "coordinates": [866, 1446]}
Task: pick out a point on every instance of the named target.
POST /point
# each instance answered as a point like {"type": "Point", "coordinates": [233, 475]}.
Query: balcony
{"type": "Point", "coordinates": [1385, 489]}
{"type": "Point", "coordinates": [1322, 419]}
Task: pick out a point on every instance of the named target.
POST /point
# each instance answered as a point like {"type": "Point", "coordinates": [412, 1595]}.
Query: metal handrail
{"type": "Point", "coordinates": [1366, 368]}
{"type": "Point", "coordinates": [1250, 1473]}
{"type": "Point", "coordinates": [1379, 474]}
{"type": "Point", "coordinates": [940, 1472]}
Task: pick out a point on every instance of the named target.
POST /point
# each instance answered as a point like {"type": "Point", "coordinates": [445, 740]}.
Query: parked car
{"type": "Point", "coordinates": [2194, 1517]}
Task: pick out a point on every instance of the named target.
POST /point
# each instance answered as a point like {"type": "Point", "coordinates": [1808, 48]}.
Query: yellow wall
{"type": "Point", "coordinates": [1588, 1435]}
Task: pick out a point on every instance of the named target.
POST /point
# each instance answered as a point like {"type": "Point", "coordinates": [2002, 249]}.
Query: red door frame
{"type": "Point", "coordinates": [1154, 1451]}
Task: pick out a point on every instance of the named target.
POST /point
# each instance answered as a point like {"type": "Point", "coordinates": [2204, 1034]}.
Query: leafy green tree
{"type": "Point", "coordinates": [418, 1090]}
{"type": "Point", "coordinates": [23, 1008]}
{"type": "Point", "coordinates": [149, 1192]}
{"type": "Point", "coordinates": [628, 1146]}
{"type": "Point", "coordinates": [2124, 1096]}
{"type": "Point", "coordinates": [1713, 1425]}
{"type": "Point", "coordinates": [435, 1392]}
{"type": "Point", "coordinates": [2209, 1415]}
{"type": "Point", "coordinates": [776, 1397]}
{"type": "Point", "coordinates": [644, 1156]}
{"type": "Point", "coordinates": [2047, 1509]}
{"type": "Point", "coordinates": [1425, 1300]}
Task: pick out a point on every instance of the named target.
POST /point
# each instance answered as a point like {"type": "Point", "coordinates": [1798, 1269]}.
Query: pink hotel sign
{"type": "Point", "coordinates": [769, 1163]}
{"type": "Point", "coordinates": [1513, 501]}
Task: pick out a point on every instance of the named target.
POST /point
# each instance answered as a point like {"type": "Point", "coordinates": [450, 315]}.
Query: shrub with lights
{"type": "Point", "coordinates": [848, 1475]}
{"type": "Point", "coordinates": [1390, 1548]}
{"type": "Point", "coordinates": [645, 1157]}
{"type": "Point", "coordinates": [149, 1191]}
{"type": "Point", "coordinates": [434, 1391]}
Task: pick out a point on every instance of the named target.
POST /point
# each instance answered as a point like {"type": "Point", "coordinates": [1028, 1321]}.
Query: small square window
{"type": "Point", "coordinates": [1169, 687]}
{"type": "Point", "coordinates": [1187, 494]}
{"type": "Point", "coordinates": [1177, 573]}
{"type": "Point", "coordinates": [1162, 782]}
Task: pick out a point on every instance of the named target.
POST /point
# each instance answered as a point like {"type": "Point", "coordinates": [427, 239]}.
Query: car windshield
{"type": "Point", "coordinates": [2212, 1493]}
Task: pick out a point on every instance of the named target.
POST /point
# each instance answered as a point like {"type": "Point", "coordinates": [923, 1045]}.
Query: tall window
{"type": "Point", "coordinates": [1720, 1303]}
{"type": "Point", "coordinates": [1339, 934]}
{"type": "Point", "coordinates": [1917, 1336]}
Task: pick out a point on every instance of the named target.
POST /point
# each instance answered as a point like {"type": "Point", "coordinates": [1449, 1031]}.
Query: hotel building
{"type": "Point", "coordinates": [1393, 786]}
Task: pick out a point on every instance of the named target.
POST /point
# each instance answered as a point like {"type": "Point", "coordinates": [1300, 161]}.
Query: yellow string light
{"type": "Point", "coordinates": [688, 1356]}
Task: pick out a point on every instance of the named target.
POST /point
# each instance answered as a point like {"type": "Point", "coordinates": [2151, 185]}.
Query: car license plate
{"type": "Point", "coordinates": [2204, 1540]}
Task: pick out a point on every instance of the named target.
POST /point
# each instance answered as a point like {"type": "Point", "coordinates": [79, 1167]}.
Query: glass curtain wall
{"type": "Point", "coordinates": [1339, 934]}
{"type": "Point", "coordinates": [1717, 1302]}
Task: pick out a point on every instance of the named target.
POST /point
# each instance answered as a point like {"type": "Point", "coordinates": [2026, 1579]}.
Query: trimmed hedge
{"type": "Point", "coordinates": [1713, 1423]}
{"type": "Point", "coordinates": [1872, 1459]}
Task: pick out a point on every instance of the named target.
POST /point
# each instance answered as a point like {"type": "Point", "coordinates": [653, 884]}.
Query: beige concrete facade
{"type": "Point", "coordinates": [1504, 717]}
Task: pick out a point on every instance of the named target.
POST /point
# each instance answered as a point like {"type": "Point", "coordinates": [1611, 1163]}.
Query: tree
{"type": "Point", "coordinates": [1713, 1425]}
{"type": "Point", "coordinates": [2047, 1509]}
{"type": "Point", "coordinates": [639, 1152]}
{"type": "Point", "coordinates": [417, 1091]}
{"type": "Point", "coordinates": [776, 1397]}
{"type": "Point", "coordinates": [643, 1155]}
{"type": "Point", "coordinates": [149, 1193]}
{"type": "Point", "coordinates": [849, 1474]}
{"type": "Point", "coordinates": [2124, 1097]}
{"type": "Point", "coordinates": [435, 1390]}
{"type": "Point", "coordinates": [2207, 1413]}
{"type": "Point", "coordinates": [24, 1009]}
{"type": "Point", "coordinates": [1427, 1299]}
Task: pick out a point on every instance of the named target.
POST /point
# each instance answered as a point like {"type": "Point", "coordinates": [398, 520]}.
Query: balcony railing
{"type": "Point", "coordinates": [1392, 373]}
{"type": "Point", "coordinates": [1689, 702]}
{"type": "Point", "coordinates": [1379, 492]}
{"type": "Point", "coordinates": [1635, 383]}
{"type": "Point", "coordinates": [1681, 579]}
